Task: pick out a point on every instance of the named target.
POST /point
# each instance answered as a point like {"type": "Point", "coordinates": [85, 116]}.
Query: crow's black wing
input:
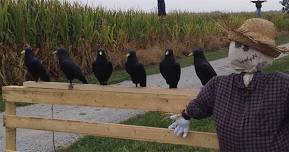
{"type": "Point", "coordinates": [205, 72]}
{"type": "Point", "coordinates": [109, 69]}
{"type": "Point", "coordinates": [163, 70]}
{"type": "Point", "coordinates": [176, 73]}
{"type": "Point", "coordinates": [38, 70]}
{"type": "Point", "coordinates": [128, 68]}
{"type": "Point", "coordinates": [141, 75]}
{"type": "Point", "coordinates": [72, 70]}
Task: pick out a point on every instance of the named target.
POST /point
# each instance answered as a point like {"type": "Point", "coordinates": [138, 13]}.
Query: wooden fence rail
{"type": "Point", "coordinates": [147, 99]}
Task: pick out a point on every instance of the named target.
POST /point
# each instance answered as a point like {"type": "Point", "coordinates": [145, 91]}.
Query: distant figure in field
{"type": "Point", "coordinates": [258, 4]}
{"type": "Point", "coordinates": [161, 8]}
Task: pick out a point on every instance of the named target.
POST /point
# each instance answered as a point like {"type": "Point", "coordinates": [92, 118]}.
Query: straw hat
{"type": "Point", "coordinates": [259, 34]}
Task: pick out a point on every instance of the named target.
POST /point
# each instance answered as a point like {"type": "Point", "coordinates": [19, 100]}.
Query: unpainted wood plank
{"type": "Point", "coordinates": [6, 150]}
{"type": "Point", "coordinates": [115, 88]}
{"type": "Point", "coordinates": [151, 134]}
{"type": "Point", "coordinates": [154, 101]}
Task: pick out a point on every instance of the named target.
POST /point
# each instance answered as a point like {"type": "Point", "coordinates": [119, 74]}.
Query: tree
{"type": "Point", "coordinates": [285, 4]}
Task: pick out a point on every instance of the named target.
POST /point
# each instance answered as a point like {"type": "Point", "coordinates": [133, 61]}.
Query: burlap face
{"type": "Point", "coordinates": [245, 59]}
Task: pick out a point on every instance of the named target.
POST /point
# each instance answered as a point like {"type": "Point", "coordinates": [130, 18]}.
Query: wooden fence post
{"type": "Point", "coordinates": [10, 133]}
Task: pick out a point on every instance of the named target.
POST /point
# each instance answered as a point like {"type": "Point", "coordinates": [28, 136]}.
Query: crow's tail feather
{"type": "Point", "coordinates": [45, 78]}
{"type": "Point", "coordinates": [83, 80]}
{"type": "Point", "coordinates": [143, 84]}
{"type": "Point", "coordinates": [103, 83]}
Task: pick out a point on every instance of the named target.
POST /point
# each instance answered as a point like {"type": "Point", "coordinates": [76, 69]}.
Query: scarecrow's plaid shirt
{"type": "Point", "coordinates": [247, 119]}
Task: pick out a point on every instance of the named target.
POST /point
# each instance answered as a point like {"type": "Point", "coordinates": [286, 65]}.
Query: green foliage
{"type": "Point", "coordinates": [39, 22]}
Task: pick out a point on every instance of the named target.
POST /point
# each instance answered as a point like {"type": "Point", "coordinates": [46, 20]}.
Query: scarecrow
{"type": "Point", "coordinates": [250, 108]}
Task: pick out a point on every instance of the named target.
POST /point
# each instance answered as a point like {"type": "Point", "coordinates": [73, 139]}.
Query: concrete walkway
{"type": "Point", "coordinates": [41, 141]}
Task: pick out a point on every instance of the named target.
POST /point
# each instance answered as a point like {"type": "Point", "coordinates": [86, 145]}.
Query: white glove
{"type": "Point", "coordinates": [181, 126]}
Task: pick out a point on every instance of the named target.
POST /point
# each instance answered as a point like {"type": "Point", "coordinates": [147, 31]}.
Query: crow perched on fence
{"type": "Point", "coordinates": [203, 68]}
{"type": "Point", "coordinates": [69, 67]}
{"type": "Point", "coordinates": [34, 67]}
{"type": "Point", "coordinates": [102, 68]}
{"type": "Point", "coordinates": [135, 69]}
{"type": "Point", "coordinates": [170, 69]}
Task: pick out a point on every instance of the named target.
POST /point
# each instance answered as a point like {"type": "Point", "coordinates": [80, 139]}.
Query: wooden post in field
{"type": "Point", "coordinates": [10, 133]}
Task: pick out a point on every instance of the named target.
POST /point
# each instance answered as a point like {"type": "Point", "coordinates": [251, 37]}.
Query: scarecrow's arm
{"type": "Point", "coordinates": [203, 105]}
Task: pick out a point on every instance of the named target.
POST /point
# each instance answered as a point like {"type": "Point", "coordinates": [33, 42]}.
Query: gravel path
{"type": "Point", "coordinates": [40, 141]}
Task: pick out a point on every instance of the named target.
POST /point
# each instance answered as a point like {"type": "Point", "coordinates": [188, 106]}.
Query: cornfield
{"type": "Point", "coordinates": [46, 25]}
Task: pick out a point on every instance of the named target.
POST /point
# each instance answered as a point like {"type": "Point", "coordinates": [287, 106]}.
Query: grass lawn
{"type": "Point", "coordinates": [282, 39]}
{"type": "Point", "coordinates": [280, 65]}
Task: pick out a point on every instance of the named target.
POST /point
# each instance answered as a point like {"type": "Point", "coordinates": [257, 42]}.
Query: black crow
{"type": "Point", "coordinates": [135, 69]}
{"type": "Point", "coordinates": [34, 67]}
{"type": "Point", "coordinates": [204, 70]}
{"type": "Point", "coordinates": [102, 68]}
{"type": "Point", "coordinates": [170, 69]}
{"type": "Point", "coordinates": [69, 67]}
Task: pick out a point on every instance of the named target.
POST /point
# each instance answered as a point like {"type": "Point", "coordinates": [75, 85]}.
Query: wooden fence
{"type": "Point", "coordinates": [147, 99]}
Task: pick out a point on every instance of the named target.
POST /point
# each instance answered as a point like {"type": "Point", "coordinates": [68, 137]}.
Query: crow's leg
{"type": "Point", "coordinates": [136, 85]}
{"type": "Point", "coordinates": [35, 79]}
{"type": "Point", "coordinates": [173, 87]}
{"type": "Point", "coordinates": [70, 87]}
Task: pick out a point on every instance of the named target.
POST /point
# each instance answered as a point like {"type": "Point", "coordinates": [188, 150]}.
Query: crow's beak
{"type": "Point", "coordinates": [191, 54]}
{"type": "Point", "coordinates": [54, 52]}
{"type": "Point", "coordinates": [127, 55]}
{"type": "Point", "coordinates": [23, 51]}
{"type": "Point", "coordinates": [100, 53]}
{"type": "Point", "coordinates": [167, 53]}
